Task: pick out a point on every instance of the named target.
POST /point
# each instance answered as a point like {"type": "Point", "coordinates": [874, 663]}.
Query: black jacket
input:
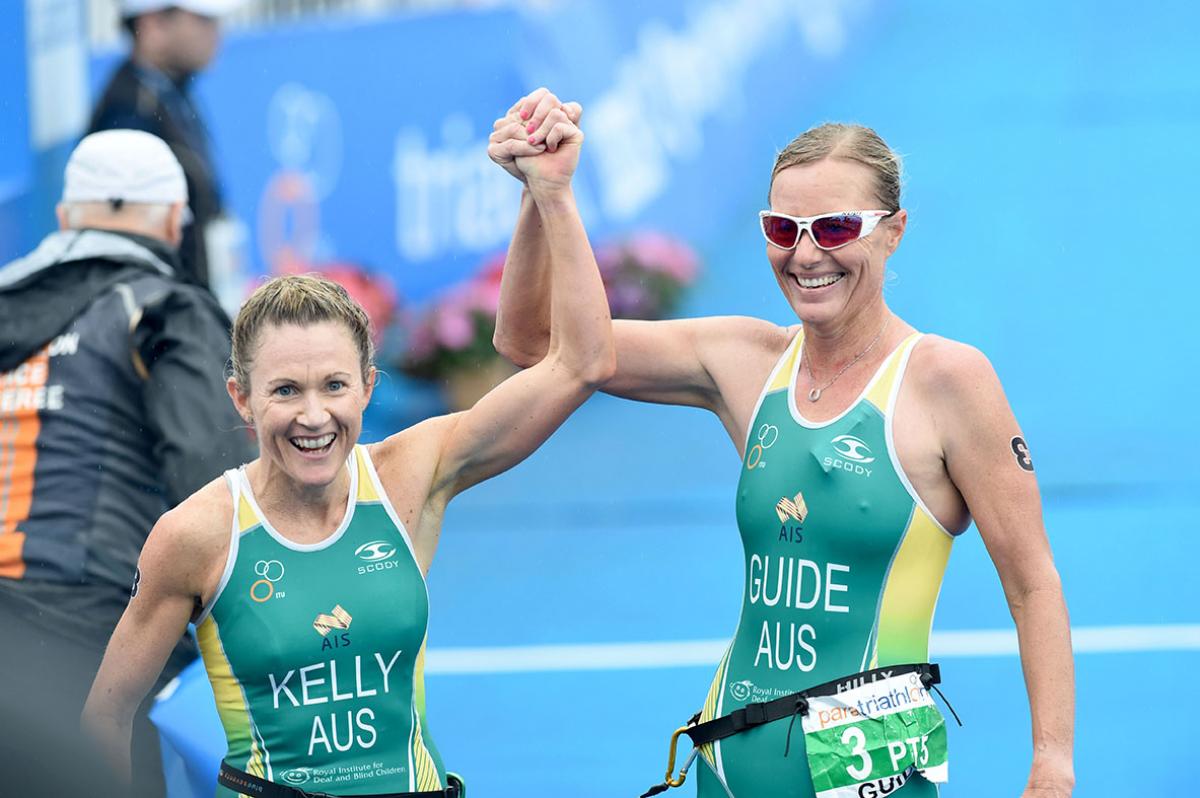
{"type": "Point", "coordinates": [141, 98]}
{"type": "Point", "coordinates": [112, 392]}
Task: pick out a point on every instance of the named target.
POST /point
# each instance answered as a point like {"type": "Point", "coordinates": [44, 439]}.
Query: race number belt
{"type": "Point", "coordinates": [878, 725]}
{"type": "Point", "coordinates": [246, 784]}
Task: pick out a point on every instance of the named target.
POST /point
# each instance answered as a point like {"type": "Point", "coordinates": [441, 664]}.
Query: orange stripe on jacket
{"type": "Point", "coordinates": [19, 430]}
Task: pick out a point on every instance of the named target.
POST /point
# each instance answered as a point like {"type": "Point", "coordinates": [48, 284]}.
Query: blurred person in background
{"type": "Point", "coordinates": [152, 91]}
{"type": "Point", "coordinates": [112, 409]}
{"type": "Point", "coordinates": [867, 447]}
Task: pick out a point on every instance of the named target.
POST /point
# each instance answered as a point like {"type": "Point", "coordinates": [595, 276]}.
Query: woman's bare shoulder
{"type": "Point", "coordinates": [741, 340]}
{"type": "Point", "coordinates": [942, 364]}
{"type": "Point", "coordinates": [192, 538]}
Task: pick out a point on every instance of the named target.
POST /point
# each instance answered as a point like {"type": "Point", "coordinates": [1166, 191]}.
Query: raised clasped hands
{"type": "Point", "coordinates": [537, 141]}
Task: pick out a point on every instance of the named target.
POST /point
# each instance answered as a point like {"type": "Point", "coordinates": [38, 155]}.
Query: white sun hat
{"type": "Point", "coordinates": [205, 8]}
{"type": "Point", "coordinates": [125, 165]}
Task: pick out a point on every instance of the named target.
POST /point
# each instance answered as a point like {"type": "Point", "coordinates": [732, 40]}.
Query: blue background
{"type": "Point", "coordinates": [1051, 179]}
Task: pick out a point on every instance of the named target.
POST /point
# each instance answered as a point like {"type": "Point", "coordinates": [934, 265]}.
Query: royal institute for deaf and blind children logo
{"type": "Point", "coordinates": [742, 690]}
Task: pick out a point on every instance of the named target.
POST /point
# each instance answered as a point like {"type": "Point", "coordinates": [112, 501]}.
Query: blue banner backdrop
{"type": "Point", "coordinates": [364, 141]}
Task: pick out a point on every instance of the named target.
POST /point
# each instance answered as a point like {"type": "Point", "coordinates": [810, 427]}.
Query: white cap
{"type": "Point", "coordinates": [128, 165]}
{"type": "Point", "coordinates": [205, 8]}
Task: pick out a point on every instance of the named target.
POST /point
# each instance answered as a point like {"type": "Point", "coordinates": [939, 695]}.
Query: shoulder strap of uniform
{"type": "Point", "coordinates": [780, 378]}
{"type": "Point", "coordinates": [882, 393]}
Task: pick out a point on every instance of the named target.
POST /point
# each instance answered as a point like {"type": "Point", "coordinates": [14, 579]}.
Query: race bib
{"type": "Point", "coordinates": [869, 740]}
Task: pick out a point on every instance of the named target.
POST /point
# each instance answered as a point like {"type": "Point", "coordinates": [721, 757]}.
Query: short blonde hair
{"type": "Point", "coordinates": [850, 143]}
{"type": "Point", "coordinates": [300, 299]}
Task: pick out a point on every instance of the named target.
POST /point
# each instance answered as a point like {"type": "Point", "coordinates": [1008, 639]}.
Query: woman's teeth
{"type": "Point", "coordinates": [819, 282]}
{"type": "Point", "coordinates": [313, 443]}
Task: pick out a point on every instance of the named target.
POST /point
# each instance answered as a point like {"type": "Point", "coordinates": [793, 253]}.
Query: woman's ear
{"type": "Point", "coordinates": [241, 401]}
{"type": "Point", "coordinates": [369, 384]}
{"type": "Point", "coordinates": [895, 230]}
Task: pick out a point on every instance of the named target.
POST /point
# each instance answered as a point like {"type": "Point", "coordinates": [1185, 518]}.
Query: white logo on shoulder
{"type": "Point", "coordinates": [375, 550]}
{"type": "Point", "coordinates": [377, 555]}
{"type": "Point", "coordinates": [853, 448]}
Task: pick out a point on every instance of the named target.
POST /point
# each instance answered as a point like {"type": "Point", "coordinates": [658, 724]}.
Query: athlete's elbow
{"type": "Point", "coordinates": [1032, 590]}
{"type": "Point", "coordinates": [600, 369]}
{"type": "Point", "coordinates": [591, 368]}
{"type": "Point", "coordinates": [513, 351]}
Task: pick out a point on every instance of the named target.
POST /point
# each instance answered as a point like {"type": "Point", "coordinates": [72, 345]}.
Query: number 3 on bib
{"type": "Point", "coordinates": [853, 736]}
{"type": "Point", "coordinates": [871, 739]}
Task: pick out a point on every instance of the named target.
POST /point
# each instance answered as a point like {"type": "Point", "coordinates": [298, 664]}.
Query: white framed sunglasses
{"type": "Point", "coordinates": [828, 231]}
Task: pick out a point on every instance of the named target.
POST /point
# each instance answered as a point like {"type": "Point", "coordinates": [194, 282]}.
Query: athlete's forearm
{"type": "Point", "coordinates": [581, 337]}
{"type": "Point", "coordinates": [1044, 632]}
{"type": "Point", "coordinates": [110, 733]}
{"type": "Point", "coordinates": [523, 320]}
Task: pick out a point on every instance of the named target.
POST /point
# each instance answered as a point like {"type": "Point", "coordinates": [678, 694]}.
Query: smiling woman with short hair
{"type": "Point", "coordinates": [304, 570]}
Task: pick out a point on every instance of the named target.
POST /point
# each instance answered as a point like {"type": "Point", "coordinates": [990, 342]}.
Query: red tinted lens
{"type": "Point", "coordinates": [780, 231]}
{"type": "Point", "coordinates": [834, 231]}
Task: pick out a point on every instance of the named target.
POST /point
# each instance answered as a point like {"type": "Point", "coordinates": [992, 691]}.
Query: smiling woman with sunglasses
{"type": "Point", "coordinates": [866, 448]}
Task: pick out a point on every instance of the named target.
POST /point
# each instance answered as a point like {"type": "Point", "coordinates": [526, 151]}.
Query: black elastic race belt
{"type": "Point", "coordinates": [788, 706]}
{"type": "Point", "coordinates": [242, 782]}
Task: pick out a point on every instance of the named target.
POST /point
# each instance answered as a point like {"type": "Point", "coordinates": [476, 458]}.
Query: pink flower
{"type": "Point", "coordinates": [660, 253]}
{"type": "Point", "coordinates": [453, 326]}
{"type": "Point", "coordinates": [629, 299]}
{"type": "Point", "coordinates": [422, 342]}
{"type": "Point", "coordinates": [485, 296]}
{"type": "Point", "coordinates": [608, 259]}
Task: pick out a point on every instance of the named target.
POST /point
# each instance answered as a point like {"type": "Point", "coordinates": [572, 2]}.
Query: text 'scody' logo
{"type": "Point", "coordinates": [853, 448]}
{"type": "Point", "coordinates": [296, 776]}
{"type": "Point", "coordinates": [741, 690]}
{"type": "Point", "coordinates": [853, 455]}
{"type": "Point", "coordinates": [767, 435]}
{"type": "Point", "coordinates": [378, 556]}
{"type": "Point", "coordinates": [263, 588]}
{"type": "Point", "coordinates": [337, 619]}
{"type": "Point", "coordinates": [793, 508]}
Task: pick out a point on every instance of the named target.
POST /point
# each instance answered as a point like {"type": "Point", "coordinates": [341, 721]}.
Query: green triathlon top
{"type": "Point", "coordinates": [315, 652]}
{"type": "Point", "coordinates": [843, 568]}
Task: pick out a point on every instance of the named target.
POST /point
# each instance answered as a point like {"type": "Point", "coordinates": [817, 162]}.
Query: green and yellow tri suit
{"type": "Point", "coordinates": [843, 568]}
{"type": "Point", "coordinates": [315, 652]}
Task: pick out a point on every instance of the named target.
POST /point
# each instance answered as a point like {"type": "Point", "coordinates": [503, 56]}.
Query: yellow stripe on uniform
{"type": "Point", "coordinates": [427, 774]}
{"type": "Point", "coordinates": [231, 701]}
{"type": "Point", "coordinates": [711, 703]}
{"type": "Point", "coordinates": [246, 518]}
{"type": "Point", "coordinates": [882, 389]}
{"type": "Point", "coordinates": [911, 592]}
{"type": "Point", "coordinates": [366, 486]}
{"type": "Point", "coordinates": [783, 375]}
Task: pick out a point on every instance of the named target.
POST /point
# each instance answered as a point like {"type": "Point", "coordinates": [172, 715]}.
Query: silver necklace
{"type": "Point", "coordinates": [815, 393]}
